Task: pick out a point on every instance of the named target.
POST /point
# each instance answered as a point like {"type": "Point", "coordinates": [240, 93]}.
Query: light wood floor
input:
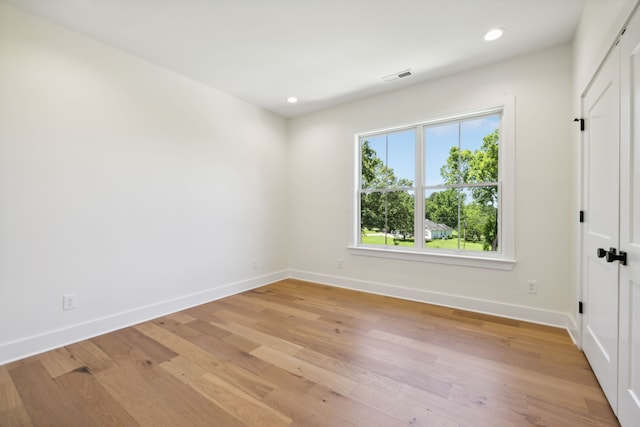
{"type": "Point", "coordinates": [300, 354]}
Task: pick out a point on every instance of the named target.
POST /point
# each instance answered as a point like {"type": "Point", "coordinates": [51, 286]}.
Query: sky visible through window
{"type": "Point", "coordinates": [397, 149]}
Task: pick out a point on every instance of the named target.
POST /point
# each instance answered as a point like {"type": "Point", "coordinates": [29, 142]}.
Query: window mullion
{"type": "Point", "coordinates": [357, 225]}
{"type": "Point", "coordinates": [386, 193]}
{"type": "Point", "coordinates": [419, 214]}
{"type": "Point", "coordinates": [460, 182]}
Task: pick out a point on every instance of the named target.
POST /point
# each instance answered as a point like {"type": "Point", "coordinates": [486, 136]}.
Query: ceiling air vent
{"type": "Point", "coordinates": [398, 75]}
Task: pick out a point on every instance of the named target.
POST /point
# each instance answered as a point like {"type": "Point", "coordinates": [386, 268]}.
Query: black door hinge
{"type": "Point", "coordinates": [581, 216]}
{"type": "Point", "coordinates": [581, 123]}
{"type": "Point", "coordinates": [580, 307]}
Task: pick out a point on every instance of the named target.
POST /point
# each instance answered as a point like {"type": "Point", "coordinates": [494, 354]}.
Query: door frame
{"type": "Point", "coordinates": [626, 13]}
{"type": "Point", "coordinates": [600, 230]}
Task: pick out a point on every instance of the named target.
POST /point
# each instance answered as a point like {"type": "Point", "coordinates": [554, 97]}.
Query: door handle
{"type": "Point", "coordinates": [601, 253]}
{"type": "Point", "coordinates": [612, 255]}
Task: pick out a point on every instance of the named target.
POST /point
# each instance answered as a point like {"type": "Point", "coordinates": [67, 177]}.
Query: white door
{"type": "Point", "coordinates": [601, 109]}
{"type": "Point", "coordinates": [629, 349]}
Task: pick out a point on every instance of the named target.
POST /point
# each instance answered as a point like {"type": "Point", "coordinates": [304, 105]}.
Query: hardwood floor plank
{"type": "Point", "coordinates": [241, 343]}
{"type": "Point", "coordinates": [45, 401]}
{"type": "Point", "coordinates": [260, 337]}
{"type": "Point", "coordinates": [453, 359]}
{"type": "Point", "coordinates": [233, 400]}
{"type": "Point", "coordinates": [545, 412]}
{"type": "Point", "coordinates": [204, 312]}
{"type": "Point", "coordinates": [97, 406]}
{"type": "Point", "coordinates": [237, 315]}
{"type": "Point", "coordinates": [402, 409]}
{"type": "Point", "coordinates": [283, 379]}
{"type": "Point", "coordinates": [443, 407]}
{"type": "Point", "coordinates": [193, 407]}
{"type": "Point", "coordinates": [112, 345]}
{"type": "Point", "coordinates": [4, 374]}
{"type": "Point", "coordinates": [139, 397]}
{"type": "Point", "coordinates": [181, 317]}
{"type": "Point", "coordinates": [351, 371]}
{"type": "Point", "coordinates": [243, 406]}
{"type": "Point", "coordinates": [599, 409]}
{"type": "Point", "coordinates": [364, 357]}
{"type": "Point", "coordinates": [352, 412]}
{"type": "Point", "coordinates": [310, 371]}
{"type": "Point", "coordinates": [490, 397]}
{"type": "Point", "coordinates": [178, 345]}
{"type": "Point", "coordinates": [452, 364]}
{"type": "Point", "coordinates": [90, 356]}
{"type": "Point", "coordinates": [9, 397]}
{"type": "Point", "coordinates": [285, 309]}
{"type": "Point", "coordinates": [304, 411]}
{"type": "Point", "coordinates": [235, 366]}
{"type": "Point", "coordinates": [154, 350]}
{"type": "Point", "coordinates": [208, 329]}
{"type": "Point", "coordinates": [182, 330]}
{"type": "Point", "coordinates": [15, 417]}
{"type": "Point", "coordinates": [243, 359]}
{"type": "Point", "coordinates": [59, 361]}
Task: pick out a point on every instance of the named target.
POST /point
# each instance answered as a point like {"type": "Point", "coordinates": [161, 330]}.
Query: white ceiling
{"type": "Point", "coordinates": [324, 52]}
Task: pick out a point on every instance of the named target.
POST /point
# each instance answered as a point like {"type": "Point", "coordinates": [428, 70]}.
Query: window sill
{"type": "Point", "coordinates": [450, 258]}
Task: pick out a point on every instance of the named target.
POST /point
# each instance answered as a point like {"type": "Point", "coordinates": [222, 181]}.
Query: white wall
{"type": "Point", "coordinates": [137, 189]}
{"type": "Point", "coordinates": [321, 165]}
{"type": "Point", "coordinates": [600, 25]}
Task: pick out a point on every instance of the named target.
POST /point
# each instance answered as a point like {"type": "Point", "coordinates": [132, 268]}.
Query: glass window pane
{"type": "Point", "coordinates": [480, 220]}
{"type": "Point", "coordinates": [442, 213]}
{"type": "Point", "coordinates": [388, 160]}
{"type": "Point", "coordinates": [387, 218]}
{"type": "Point", "coordinates": [373, 159]}
{"type": "Point", "coordinates": [400, 216]}
{"type": "Point", "coordinates": [441, 154]}
{"type": "Point", "coordinates": [401, 161]}
{"type": "Point", "coordinates": [479, 149]}
{"type": "Point", "coordinates": [462, 218]}
{"type": "Point", "coordinates": [372, 213]}
{"type": "Point", "coordinates": [379, 144]}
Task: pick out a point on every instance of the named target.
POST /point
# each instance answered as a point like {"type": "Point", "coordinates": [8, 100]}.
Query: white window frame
{"type": "Point", "coordinates": [502, 260]}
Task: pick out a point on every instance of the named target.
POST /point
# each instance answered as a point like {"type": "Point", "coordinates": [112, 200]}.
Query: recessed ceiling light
{"type": "Point", "coordinates": [292, 100]}
{"type": "Point", "coordinates": [494, 34]}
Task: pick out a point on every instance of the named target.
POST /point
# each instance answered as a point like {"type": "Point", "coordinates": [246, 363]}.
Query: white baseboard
{"type": "Point", "coordinates": [517, 312]}
{"type": "Point", "coordinates": [574, 331]}
{"type": "Point", "coordinates": [57, 338]}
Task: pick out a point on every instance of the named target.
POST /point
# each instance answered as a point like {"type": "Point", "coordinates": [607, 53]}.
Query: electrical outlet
{"type": "Point", "coordinates": [532, 287]}
{"type": "Point", "coordinates": [69, 301]}
{"type": "Point", "coordinates": [255, 263]}
{"type": "Point", "coordinates": [340, 263]}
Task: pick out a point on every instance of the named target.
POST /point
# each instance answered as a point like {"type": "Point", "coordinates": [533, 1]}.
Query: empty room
{"type": "Point", "coordinates": [319, 213]}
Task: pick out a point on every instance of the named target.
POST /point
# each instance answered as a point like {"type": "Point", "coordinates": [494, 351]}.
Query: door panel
{"type": "Point", "coordinates": [601, 105]}
{"type": "Point", "coordinates": [602, 326]}
{"type": "Point", "coordinates": [601, 181]}
{"type": "Point", "coordinates": [629, 379]}
{"type": "Point", "coordinates": [629, 365]}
